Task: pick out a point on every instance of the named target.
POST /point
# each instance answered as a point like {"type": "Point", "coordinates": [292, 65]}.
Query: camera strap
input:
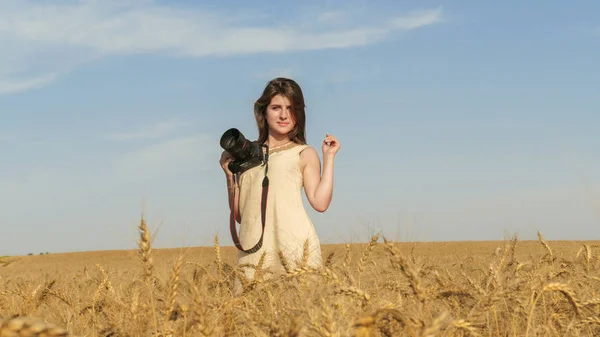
{"type": "Point", "coordinates": [263, 213]}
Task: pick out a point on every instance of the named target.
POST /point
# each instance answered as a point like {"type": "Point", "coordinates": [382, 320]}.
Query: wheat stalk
{"type": "Point", "coordinates": [145, 249]}
{"type": "Point", "coordinates": [559, 287]}
{"type": "Point", "coordinates": [366, 253]}
{"type": "Point", "coordinates": [174, 287]}
{"type": "Point", "coordinates": [29, 327]}
{"type": "Point", "coordinates": [545, 245]}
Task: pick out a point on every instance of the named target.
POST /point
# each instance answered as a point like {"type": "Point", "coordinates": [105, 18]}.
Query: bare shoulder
{"type": "Point", "coordinates": [309, 156]}
{"type": "Point", "coordinates": [308, 153]}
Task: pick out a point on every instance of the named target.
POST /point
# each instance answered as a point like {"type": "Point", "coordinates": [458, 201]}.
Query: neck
{"type": "Point", "coordinates": [277, 140]}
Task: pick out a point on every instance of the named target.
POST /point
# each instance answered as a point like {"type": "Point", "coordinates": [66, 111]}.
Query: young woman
{"type": "Point", "coordinates": [292, 166]}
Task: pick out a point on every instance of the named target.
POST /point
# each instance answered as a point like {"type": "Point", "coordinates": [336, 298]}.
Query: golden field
{"type": "Point", "coordinates": [510, 288]}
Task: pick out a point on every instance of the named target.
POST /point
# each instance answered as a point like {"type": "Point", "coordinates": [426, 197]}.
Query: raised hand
{"type": "Point", "coordinates": [330, 145]}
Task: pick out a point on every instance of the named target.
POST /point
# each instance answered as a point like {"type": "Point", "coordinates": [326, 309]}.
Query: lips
{"type": "Point", "coordinates": [283, 124]}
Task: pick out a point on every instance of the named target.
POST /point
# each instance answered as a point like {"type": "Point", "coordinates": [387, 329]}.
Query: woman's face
{"type": "Point", "coordinates": [280, 116]}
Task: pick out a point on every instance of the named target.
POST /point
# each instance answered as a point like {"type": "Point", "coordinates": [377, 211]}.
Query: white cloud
{"type": "Point", "coordinates": [42, 39]}
{"type": "Point", "coordinates": [174, 156]}
{"type": "Point", "coordinates": [418, 19]}
{"type": "Point", "coordinates": [332, 17]}
{"type": "Point", "coordinates": [9, 86]}
{"type": "Point", "coordinates": [153, 131]}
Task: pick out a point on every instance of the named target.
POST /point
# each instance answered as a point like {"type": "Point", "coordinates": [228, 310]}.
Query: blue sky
{"type": "Point", "coordinates": [458, 120]}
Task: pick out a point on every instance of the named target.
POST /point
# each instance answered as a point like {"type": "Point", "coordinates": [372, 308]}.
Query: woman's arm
{"type": "Point", "coordinates": [233, 197]}
{"type": "Point", "coordinates": [232, 188]}
{"type": "Point", "coordinates": [319, 188]}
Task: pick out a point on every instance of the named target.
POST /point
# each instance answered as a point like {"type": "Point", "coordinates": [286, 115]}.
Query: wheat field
{"type": "Point", "coordinates": [379, 288]}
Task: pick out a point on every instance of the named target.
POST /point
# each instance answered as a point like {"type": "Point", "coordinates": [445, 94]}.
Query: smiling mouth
{"type": "Point", "coordinates": [282, 123]}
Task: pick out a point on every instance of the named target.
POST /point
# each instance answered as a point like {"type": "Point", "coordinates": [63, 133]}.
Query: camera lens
{"type": "Point", "coordinates": [233, 141]}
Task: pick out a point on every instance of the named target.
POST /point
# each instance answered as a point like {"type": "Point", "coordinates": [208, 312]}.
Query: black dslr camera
{"type": "Point", "coordinates": [246, 154]}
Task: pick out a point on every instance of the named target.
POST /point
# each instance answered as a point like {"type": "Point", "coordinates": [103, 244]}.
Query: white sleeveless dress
{"type": "Point", "coordinates": [287, 224]}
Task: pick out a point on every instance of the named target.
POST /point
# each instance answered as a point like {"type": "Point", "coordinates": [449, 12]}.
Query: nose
{"type": "Point", "coordinates": [285, 113]}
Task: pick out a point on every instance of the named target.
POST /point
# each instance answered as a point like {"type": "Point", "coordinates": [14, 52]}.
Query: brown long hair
{"type": "Point", "coordinates": [291, 90]}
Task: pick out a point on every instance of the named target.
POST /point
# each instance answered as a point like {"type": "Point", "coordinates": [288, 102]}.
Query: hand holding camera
{"type": "Point", "coordinates": [242, 154]}
{"type": "Point", "coordinates": [226, 158]}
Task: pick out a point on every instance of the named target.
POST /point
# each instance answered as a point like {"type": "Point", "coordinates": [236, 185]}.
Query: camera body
{"type": "Point", "coordinates": [246, 154]}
